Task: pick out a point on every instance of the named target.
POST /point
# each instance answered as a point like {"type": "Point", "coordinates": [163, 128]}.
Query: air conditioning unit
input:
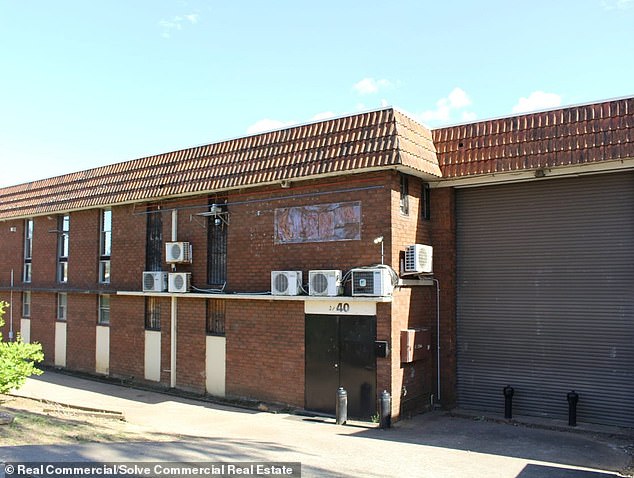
{"type": "Point", "coordinates": [325, 282]}
{"type": "Point", "coordinates": [154, 281]}
{"type": "Point", "coordinates": [178, 252]}
{"type": "Point", "coordinates": [179, 281]}
{"type": "Point", "coordinates": [418, 259]}
{"type": "Point", "coordinates": [372, 282]}
{"type": "Point", "coordinates": [286, 282]}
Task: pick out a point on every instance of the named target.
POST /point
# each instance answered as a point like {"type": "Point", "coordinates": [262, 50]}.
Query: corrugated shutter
{"type": "Point", "coordinates": [545, 297]}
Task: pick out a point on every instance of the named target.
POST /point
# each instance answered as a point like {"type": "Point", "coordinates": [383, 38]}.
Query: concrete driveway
{"type": "Point", "coordinates": [433, 445]}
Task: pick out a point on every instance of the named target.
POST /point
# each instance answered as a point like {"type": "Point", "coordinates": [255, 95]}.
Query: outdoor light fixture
{"type": "Point", "coordinates": [220, 216]}
{"type": "Point", "coordinates": [379, 240]}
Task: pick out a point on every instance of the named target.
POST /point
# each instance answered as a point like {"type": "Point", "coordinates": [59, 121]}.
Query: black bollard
{"type": "Point", "coordinates": [341, 408]}
{"type": "Point", "coordinates": [385, 409]}
{"type": "Point", "coordinates": [508, 402]}
{"type": "Point", "coordinates": [573, 398]}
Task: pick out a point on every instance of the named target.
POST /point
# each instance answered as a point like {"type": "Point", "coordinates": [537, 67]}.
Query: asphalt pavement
{"type": "Point", "coordinates": [434, 445]}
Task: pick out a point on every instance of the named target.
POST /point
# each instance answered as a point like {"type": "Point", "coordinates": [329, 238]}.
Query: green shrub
{"type": "Point", "coordinates": [17, 359]}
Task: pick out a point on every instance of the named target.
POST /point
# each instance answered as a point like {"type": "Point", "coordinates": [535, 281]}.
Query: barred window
{"type": "Point", "coordinates": [215, 317]}
{"type": "Point", "coordinates": [152, 313]}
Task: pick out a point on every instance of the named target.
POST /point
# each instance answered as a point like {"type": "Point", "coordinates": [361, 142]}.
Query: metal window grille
{"type": "Point", "coordinates": [216, 317]}
{"type": "Point", "coordinates": [152, 313]}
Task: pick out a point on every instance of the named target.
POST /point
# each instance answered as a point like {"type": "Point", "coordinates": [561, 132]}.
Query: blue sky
{"type": "Point", "coordinates": [88, 83]}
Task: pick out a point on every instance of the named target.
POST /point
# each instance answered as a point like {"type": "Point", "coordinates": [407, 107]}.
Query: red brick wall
{"type": "Point", "coordinates": [412, 307]}
{"type": "Point", "coordinates": [81, 331]}
{"type": "Point", "coordinates": [127, 337]}
{"type": "Point", "coordinates": [83, 249]}
{"type": "Point", "coordinates": [43, 306]}
{"type": "Point", "coordinates": [444, 237]}
{"type": "Point", "coordinates": [127, 260]}
{"type": "Point", "coordinates": [191, 346]}
{"type": "Point", "coordinates": [265, 350]}
{"type": "Point", "coordinates": [265, 339]}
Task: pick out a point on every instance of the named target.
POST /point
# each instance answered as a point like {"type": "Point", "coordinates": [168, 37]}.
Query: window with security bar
{"type": "Point", "coordinates": [217, 230]}
{"type": "Point", "coordinates": [154, 240]}
{"type": "Point", "coordinates": [215, 317]}
{"type": "Point", "coordinates": [152, 313]}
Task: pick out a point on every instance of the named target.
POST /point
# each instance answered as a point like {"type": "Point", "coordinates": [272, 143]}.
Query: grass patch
{"type": "Point", "coordinates": [44, 423]}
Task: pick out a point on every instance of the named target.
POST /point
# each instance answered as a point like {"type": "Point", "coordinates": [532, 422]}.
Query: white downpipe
{"type": "Point", "coordinates": [173, 312]}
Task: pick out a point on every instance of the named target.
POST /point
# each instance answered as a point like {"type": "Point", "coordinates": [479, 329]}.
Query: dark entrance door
{"type": "Point", "coordinates": [340, 353]}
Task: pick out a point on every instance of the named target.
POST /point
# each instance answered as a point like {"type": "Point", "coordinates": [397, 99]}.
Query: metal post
{"type": "Point", "coordinates": [573, 398]}
{"type": "Point", "coordinates": [341, 408]}
{"type": "Point", "coordinates": [508, 402]}
{"type": "Point", "coordinates": [385, 409]}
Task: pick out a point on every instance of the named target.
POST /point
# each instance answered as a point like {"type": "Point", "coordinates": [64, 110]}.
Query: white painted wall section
{"type": "Point", "coordinates": [152, 355]}
{"type": "Point", "coordinates": [102, 350]}
{"type": "Point", "coordinates": [215, 365]}
{"type": "Point", "coordinates": [60, 344]}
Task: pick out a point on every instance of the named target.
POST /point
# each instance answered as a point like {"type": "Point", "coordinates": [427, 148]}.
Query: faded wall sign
{"type": "Point", "coordinates": [318, 223]}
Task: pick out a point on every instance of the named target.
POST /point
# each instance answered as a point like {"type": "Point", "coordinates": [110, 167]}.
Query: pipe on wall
{"type": "Point", "coordinates": [173, 312]}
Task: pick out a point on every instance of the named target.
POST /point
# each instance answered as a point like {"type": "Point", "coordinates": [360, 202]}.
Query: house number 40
{"type": "Point", "coordinates": [341, 307]}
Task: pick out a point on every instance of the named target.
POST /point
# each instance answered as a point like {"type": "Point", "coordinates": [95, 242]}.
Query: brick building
{"type": "Point", "coordinates": [530, 219]}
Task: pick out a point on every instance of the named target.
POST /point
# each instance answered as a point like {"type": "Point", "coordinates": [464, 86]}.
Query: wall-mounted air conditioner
{"type": "Point", "coordinates": [178, 252]}
{"type": "Point", "coordinates": [373, 282]}
{"type": "Point", "coordinates": [325, 283]}
{"type": "Point", "coordinates": [179, 281]}
{"type": "Point", "coordinates": [418, 259]}
{"type": "Point", "coordinates": [286, 282]}
{"type": "Point", "coordinates": [154, 281]}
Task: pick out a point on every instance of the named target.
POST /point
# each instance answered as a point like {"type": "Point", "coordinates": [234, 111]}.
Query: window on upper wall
{"type": "Point", "coordinates": [154, 241]}
{"type": "Point", "coordinates": [217, 229]}
{"type": "Point", "coordinates": [26, 303]}
{"type": "Point", "coordinates": [215, 317]}
{"type": "Point", "coordinates": [425, 203]}
{"type": "Point", "coordinates": [103, 317]}
{"type": "Point", "coordinates": [62, 306]}
{"type": "Point", "coordinates": [404, 195]}
{"type": "Point", "coordinates": [63, 235]}
{"type": "Point", "coordinates": [152, 313]}
{"type": "Point", "coordinates": [28, 250]}
{"type": "Point", "coordinates": [105, 246]}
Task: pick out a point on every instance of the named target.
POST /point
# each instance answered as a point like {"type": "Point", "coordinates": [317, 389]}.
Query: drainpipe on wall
{"type": "Point", "coordinates": [437, 339]}
{"type": "Point", "coordinates": [173, 312]}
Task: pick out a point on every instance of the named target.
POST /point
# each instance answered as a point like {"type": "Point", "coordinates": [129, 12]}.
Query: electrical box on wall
{"type": "Point", "coordinates": [415, 345]}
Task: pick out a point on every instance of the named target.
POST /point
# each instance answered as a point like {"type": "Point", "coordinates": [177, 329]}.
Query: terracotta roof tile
{"type": "Point", "coordinates": [568, 136]}
{"type": "Point", "coordinates": [376, 139]}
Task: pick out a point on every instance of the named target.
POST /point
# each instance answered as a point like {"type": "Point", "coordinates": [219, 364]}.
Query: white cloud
{"type": "Point", "coordinates": [617, 4]}
{"type": "Point", "coordinates": [267, 124]}
{"type": "Point", "coordinates": [455, 101]}
{"type": "Point", "coordinates": [176, 24]}
{"type": "Point", "coordinates": [537, 100]}
{"type": "Point", "coordinates": [368, 86]}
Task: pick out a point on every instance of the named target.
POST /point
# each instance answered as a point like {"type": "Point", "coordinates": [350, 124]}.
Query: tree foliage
{"type": "Point", "coordinates": [17, 359]}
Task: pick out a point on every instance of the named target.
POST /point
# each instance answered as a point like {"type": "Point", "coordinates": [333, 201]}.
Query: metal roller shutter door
{"type": "Point", "coordinates": [545, 297]}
